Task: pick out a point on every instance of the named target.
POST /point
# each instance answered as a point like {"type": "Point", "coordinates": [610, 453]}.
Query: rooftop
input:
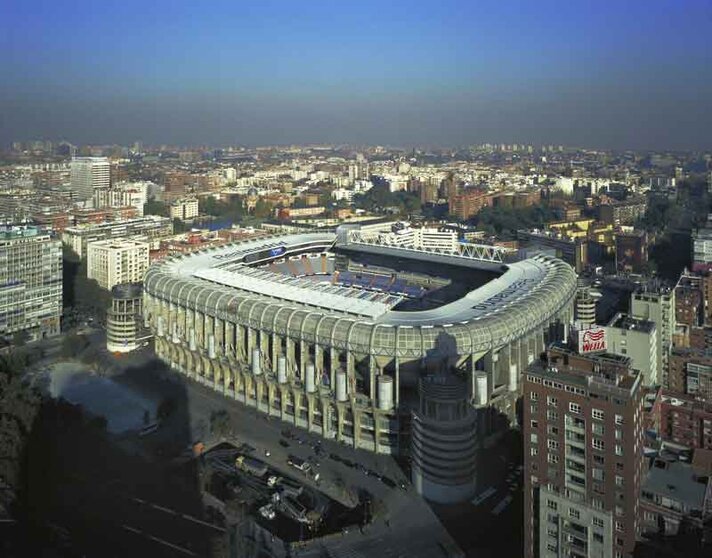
{"type": "Point", "coordinates": [624, 321]}
{"type": "Point", "coordinates": [676, 480]}
{"type": "Point", "coordinates": [10, 232]}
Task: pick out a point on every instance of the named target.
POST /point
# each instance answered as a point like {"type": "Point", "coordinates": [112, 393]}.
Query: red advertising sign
{"type": "Point", "coordinates": [592, 340]}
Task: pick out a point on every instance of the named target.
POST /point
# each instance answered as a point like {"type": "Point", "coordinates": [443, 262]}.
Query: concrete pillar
{"type": "Point", "coordinates": [318, 362]}
{"type": "Point", "coordinates": [230, 339]}
{"type": "Point", "coordinates": [303, 354]}
{"type": "Point", "coordinates": [357, 426]}
{"type": "Point", "coordinates": [372, 378]}
{"type": "Point", "coordinates": [250, 344]}
{"type": "Point", "coordinates": [333, 365]}
{"type": "Point", "coordinates": [276, 350]}
{"type": "Point", "coordinates": [290, 356]}
{"type": "Point", "coordinates": [491, 359]}
{"type": "Point", "coordinates": [396, 386]}
{"type": "Point", "coordinates": [310, 412]}
{"type": "Point", "coordinates": [264, 350]}
{"type": "Point", "coordinates": [350, 364]}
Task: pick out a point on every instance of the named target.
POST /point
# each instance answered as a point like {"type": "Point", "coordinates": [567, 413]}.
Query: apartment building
{"type": "Point", "coordinates": [30, 282]}
{"type": "Point", "coordinates": [114, 262]}
{"type": "Point", "coordinates": [88, 173]}
{"type": "Point", "coordinates": [184, 209]}
{"type": "Point", "coordinates": [583, 455]}
{"type": "Point", "coordinates": [152, 227]}
{"type": "Point", "coordinates": [126, 194]}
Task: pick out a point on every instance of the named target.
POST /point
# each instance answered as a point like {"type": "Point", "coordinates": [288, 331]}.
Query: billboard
{"type": "Point", "coordinates": [592, 340]}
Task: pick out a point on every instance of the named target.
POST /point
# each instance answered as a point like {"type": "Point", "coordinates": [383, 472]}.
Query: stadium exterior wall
{"type": "Point", "coordinates": [212, 333]}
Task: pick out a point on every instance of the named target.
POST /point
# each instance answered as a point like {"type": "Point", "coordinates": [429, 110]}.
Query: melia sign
{"type": "Point", "coordinates": [591, 340]}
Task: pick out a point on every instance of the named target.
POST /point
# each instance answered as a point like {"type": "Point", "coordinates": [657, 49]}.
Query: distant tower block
{"type": "Point", "coordinates": [385, 393]}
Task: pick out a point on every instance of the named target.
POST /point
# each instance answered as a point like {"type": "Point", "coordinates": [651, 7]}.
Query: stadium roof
{"type": "Point", "coordinates": [227, 266]}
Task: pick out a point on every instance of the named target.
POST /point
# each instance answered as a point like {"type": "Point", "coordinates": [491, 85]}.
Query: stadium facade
{"type": "Point", "coordinates": [334, 331]}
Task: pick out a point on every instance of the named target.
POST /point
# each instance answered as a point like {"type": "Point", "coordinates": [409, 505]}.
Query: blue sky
{"type": "Point", "coordinates": [601, 74]}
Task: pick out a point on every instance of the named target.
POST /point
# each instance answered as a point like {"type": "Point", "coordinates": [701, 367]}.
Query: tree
{"type": "Point", "coordinates": [220, 424]}
{"type": "Point", "coordinates": [20, 338]}
{"type": "Point", "coordinates": [155, 207]}
{"type": "Point", "coordinates": [262, 209]}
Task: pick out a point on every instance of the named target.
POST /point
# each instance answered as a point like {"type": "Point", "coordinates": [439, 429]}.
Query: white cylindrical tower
{"type": "Point", "coordinates": [256, 365]}
{"type": "Point", "coordinates": [481, 389]}
{"type": "Point", "coordinates": [160, 324]}
{"type": "Point", "coordinates": [513, 377]}
{"type": "Point", "coordinates": [341, 390]}
{"type": "Point", "coordinates": [191, 339]}
{"type": "Point", "coordinates": [211, 346]}
{"type": "Point", "coordinates": [385, 392]}
{"type": "Point", "coordinates": [282, 370]}
{"type": "Point", "coordinates": [310, 378]}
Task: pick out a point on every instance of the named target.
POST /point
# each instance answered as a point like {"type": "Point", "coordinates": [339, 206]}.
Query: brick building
{"type": "Point", "coordinates": [583, 455]}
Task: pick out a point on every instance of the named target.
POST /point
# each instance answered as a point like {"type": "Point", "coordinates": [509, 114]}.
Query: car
{"type": "Point", "coordinates": [284, 443]}
{"type": "Point", "coordinates": [267, 453]}
{"type": "Point", "coordinates": [390, 483]}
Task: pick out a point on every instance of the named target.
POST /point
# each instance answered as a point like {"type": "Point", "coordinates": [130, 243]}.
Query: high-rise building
{"type": "Point", "coordinates": [637, 339]}
{"type": "Point", "coordinates": [583, 455]}
{"type": "Point", "coordinates": [658, 307]}
{"type": "Point", "coordinates": [88, 173]}
{"type": "Point", "coordinates": [113, 262]}
{"type": "Point", "coordinates": [30, 282]}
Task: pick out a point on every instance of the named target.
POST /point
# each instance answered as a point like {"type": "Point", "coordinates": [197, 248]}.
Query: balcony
{"type": "Point", "coordinates": [576, 453]}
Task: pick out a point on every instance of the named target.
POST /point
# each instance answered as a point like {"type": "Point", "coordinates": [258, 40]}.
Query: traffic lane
{"type": "Point", "coordinates": [265, 433]}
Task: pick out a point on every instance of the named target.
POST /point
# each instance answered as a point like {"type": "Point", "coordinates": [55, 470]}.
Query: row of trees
{"type": "Point", "coordinates": [19, 404]}
{"type": "Point", "coordinates": [380, 198]}
{"type": "Point", "coordinates": [505, 221]}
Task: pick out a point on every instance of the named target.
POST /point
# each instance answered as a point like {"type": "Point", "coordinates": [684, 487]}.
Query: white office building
{"type": "Point", "coordinates": [113, 262]}
{"type": "Point", "coordinates": [30, 282]}
{"type": "Point", "coordinates": [659, 308]}
{"type": "Point", "coordinates": [636, 339]}
{"type": "Point", "coordinates": [88, 173]}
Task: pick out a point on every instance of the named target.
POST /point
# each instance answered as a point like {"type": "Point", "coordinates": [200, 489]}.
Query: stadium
{"type": "Point", "coordinates": [334, 331]}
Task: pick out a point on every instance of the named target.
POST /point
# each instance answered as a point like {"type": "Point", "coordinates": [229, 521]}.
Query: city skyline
{"type": "Point", "coordinates": [627, 77]}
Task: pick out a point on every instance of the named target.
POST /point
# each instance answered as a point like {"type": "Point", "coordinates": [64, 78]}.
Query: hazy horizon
{"type": "Point", "coordinates": [600, 75]}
